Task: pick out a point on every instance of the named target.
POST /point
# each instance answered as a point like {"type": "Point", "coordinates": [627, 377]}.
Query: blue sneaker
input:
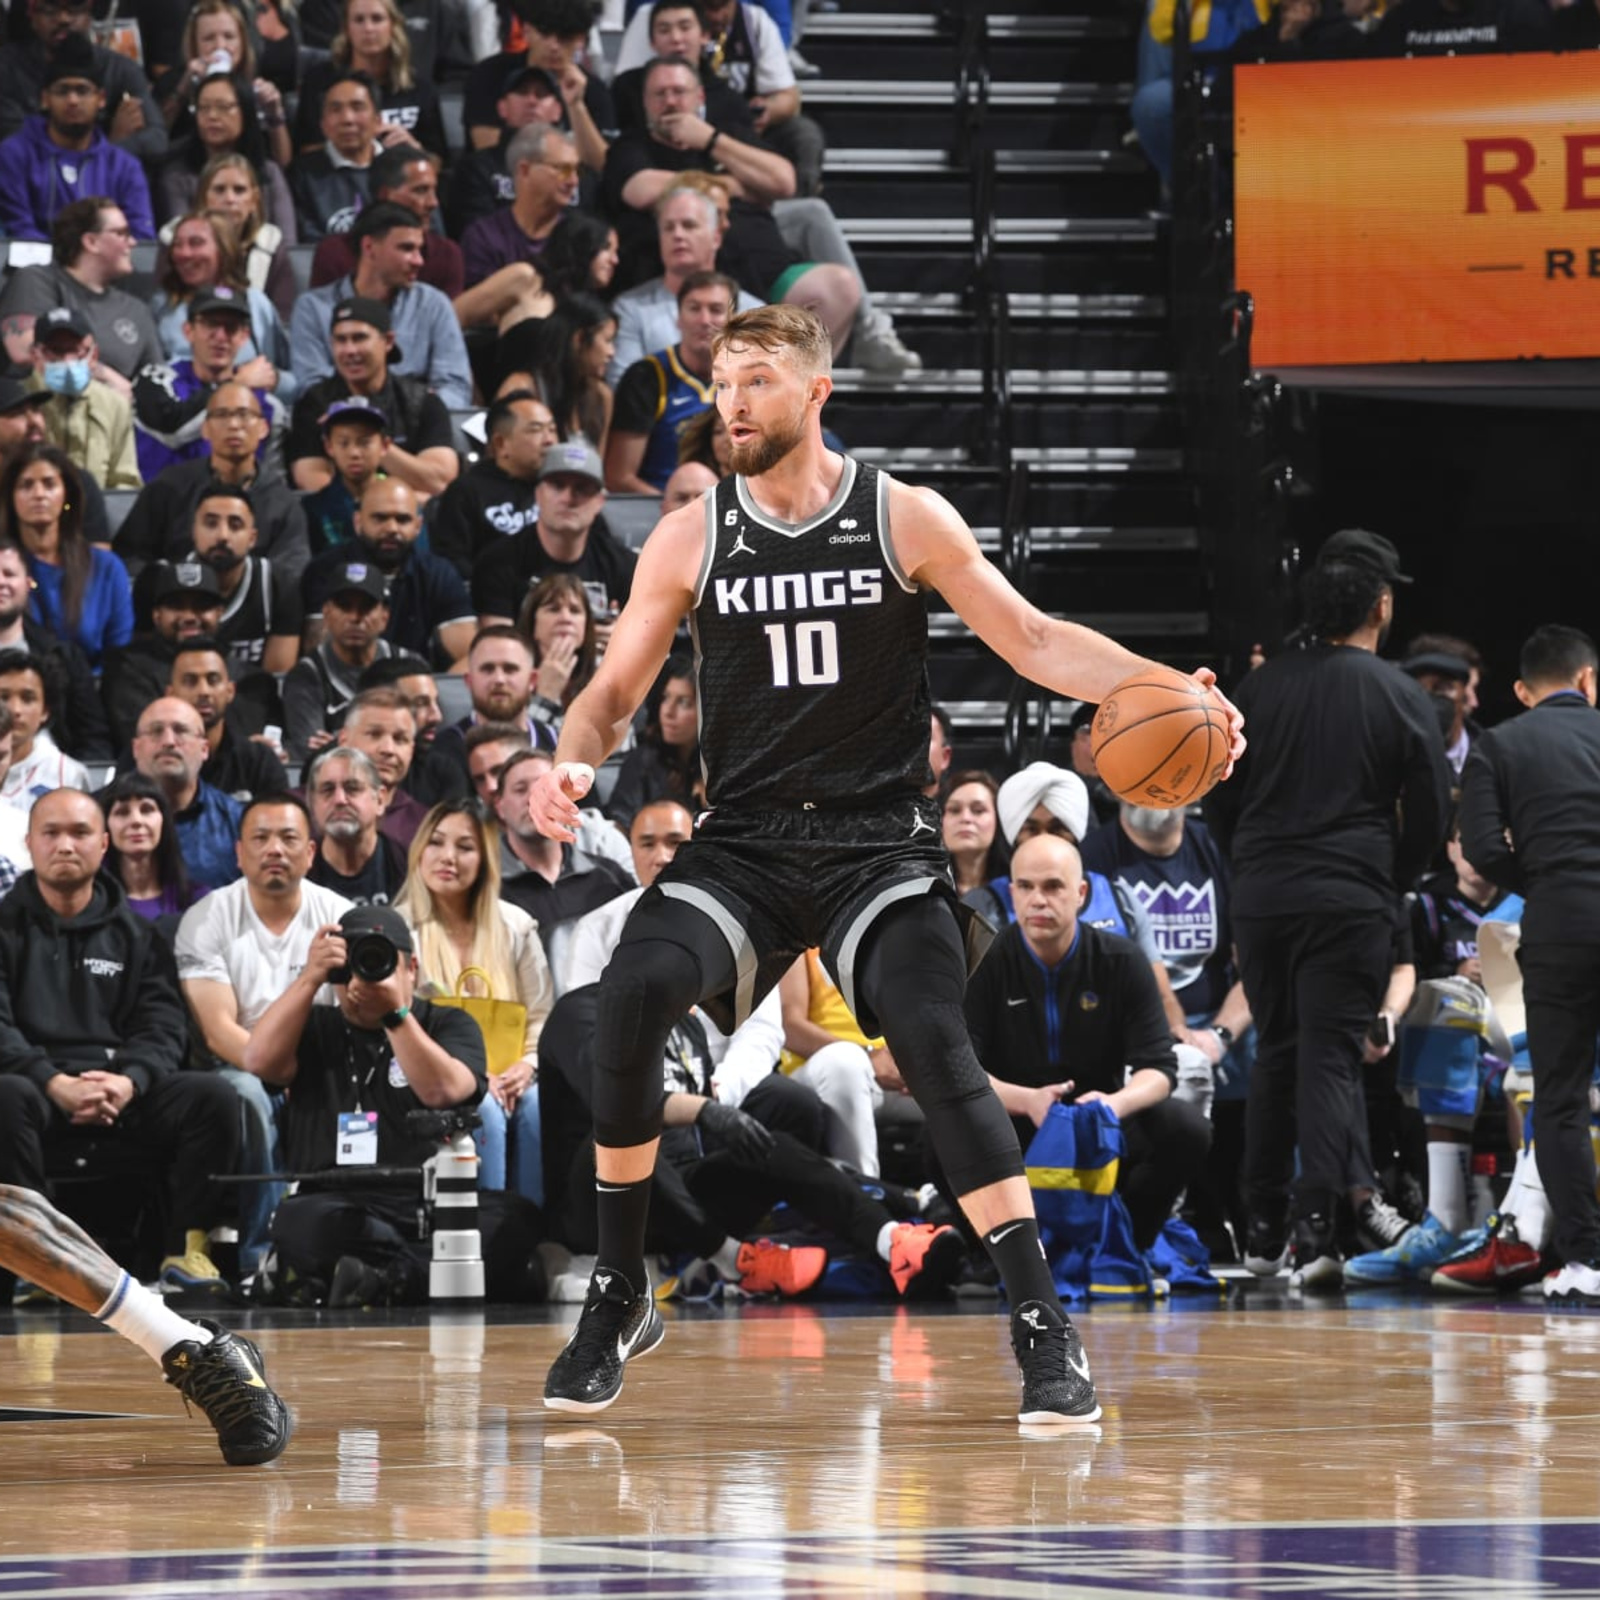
{"type": "Point", "coordinates": [1413, 1258]}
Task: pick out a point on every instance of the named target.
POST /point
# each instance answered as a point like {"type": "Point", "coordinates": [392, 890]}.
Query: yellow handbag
{"type": "Point", "coordinates": [503, 1023]}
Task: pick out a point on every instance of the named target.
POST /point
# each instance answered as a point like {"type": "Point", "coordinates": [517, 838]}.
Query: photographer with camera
{"type": "Point", "coordinates": [358, 1070]}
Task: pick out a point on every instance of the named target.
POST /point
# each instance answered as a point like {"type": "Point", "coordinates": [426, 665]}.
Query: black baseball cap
{"type": "Point", "coordinates": [1438, 664]}
{"type": "Point", "coordinates": [62, 319]}
{"type": "Point", "coordinates": [74, 57]}
{"type": "Point", "coordinates": [1359, 548]}
{"type": "Point", "coordinates": [363, 308]}
{"type": "Point", "coordinates": [183, 580]}
{"type": "Point", "coordinates": [521, 76]}
{"type": "Point", "coordinates": [382, 920]}
{"type": "Point", "coordinates": [359, 577]}
{"type": "Point", "coordinates": [220, 301]}
{"type": "Point", "coordinates": [16, 396]}
{"type": "Point", "coordinates": [355, 409]}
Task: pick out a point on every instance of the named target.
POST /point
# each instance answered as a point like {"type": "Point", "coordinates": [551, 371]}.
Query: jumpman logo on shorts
{"type": "Point", "coordinates": [740, 548]}
{"type": "Point", "coordinates": [920, 824]}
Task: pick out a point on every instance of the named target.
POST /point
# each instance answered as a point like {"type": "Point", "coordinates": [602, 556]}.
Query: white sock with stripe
{"type": "Point", "coordinates": [144, 1319]}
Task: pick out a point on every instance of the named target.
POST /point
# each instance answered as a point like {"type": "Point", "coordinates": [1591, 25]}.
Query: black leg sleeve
{"type": "Point", "coordinates": [670, 957]}
{"type": "Point", "coordinates": [914, 976]}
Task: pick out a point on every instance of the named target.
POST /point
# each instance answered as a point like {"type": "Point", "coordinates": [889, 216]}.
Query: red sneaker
{"type": "Point", "coordinates": [768, 1268]}
{"type": "Point", "coordinates": [1502, 1264]}
{"type": "Point", "coordinates": [924, 1260]}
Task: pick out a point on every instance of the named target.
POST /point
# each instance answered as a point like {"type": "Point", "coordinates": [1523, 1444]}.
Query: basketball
{"type": "Point", "coordinates": [1159, 739]}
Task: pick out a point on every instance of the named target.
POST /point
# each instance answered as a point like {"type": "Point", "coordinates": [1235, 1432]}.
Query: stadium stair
{"type": "Point", "coordinates": [1088, 471]}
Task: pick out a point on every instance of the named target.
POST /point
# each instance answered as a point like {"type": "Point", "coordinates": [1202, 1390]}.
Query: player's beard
{"type": "Point", "coordinates": [751, 460]}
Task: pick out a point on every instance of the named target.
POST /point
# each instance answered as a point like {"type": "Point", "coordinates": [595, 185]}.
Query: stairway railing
{"type": "Point", "coordinates": [1235, 427]}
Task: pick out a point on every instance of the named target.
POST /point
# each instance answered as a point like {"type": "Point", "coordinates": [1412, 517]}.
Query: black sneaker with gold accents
{"type": "Point", "coordinates": [226, 1380]}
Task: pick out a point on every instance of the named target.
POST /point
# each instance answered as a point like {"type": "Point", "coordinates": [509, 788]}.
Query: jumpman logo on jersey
{"type": "Point", "coordinates": [740, 548]}
{"type": "Point", "coordinates": [920, 824]}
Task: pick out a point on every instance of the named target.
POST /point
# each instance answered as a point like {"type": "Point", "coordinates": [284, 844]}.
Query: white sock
{"type": "Point", "coordinates": [726, 1260]}
{"type": "Point", "coordinates": [1449, 1169]}
{"type": "Point", "coordinates": [886, 1239]}
{"type": "Point", "coordinates": [1533, 1208]}
{"type": "Point", "coordinates": [144, 1319]}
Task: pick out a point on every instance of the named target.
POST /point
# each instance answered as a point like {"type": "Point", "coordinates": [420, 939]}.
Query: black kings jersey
{"type": "Point", "coordinates": [811, 647]}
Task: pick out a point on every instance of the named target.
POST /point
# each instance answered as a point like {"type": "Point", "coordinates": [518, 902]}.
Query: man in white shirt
{"type": "Point", "coordinates": [238, 950]}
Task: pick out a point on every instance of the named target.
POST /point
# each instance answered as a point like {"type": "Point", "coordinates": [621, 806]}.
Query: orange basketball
{"type": "Point", "coordinates": [1160, 740]}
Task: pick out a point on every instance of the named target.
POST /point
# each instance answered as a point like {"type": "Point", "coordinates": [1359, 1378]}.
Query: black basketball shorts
{"type": "Point", "coordinates": [778, 883]}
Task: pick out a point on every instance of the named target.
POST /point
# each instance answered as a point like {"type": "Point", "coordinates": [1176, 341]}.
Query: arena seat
{"type": "Point", "coordinates": [300, 260]}
{"type": "Point", "coordinates": [631, 517]}
{"type": "Point", "coordinates": [119, 502]}
{"type": "Point", "coordinates": [454, 700]}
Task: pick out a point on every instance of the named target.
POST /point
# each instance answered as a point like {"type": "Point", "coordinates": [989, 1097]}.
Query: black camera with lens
{"type": "Point", "coordinates": [370, 956]}
{"type": "Point", "coordinates": [442, 1125]}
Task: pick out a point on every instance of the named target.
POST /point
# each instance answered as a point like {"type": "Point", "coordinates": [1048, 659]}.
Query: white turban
{"type": "Point", "coordinates": [1063, 793]}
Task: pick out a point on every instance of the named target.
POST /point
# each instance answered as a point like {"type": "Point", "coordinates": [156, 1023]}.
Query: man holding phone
{"type": "Point", "coordinates": [1062, 1011]}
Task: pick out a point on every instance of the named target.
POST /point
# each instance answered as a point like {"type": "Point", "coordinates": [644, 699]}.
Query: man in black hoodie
{"type": "Point", "coordinates": [92, 1036]}
{"type": "Point", "coordinates": [1530, 822]}
{"type": "Point", "coordinates": [496, 498]}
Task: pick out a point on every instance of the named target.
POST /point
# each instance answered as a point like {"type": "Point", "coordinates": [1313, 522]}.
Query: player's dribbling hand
{"type": "Point", "coordinates": [553, 800]}
{"type": "Point", "coordinates": [1207, 679]}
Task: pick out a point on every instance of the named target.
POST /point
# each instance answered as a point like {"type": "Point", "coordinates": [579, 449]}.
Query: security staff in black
{"type": "Point", "coordinates": [1530, 821]}
{"type": "Point", "coordinates": [804, 581]}
{"type": "Point", "coordinates": [1340, 805]}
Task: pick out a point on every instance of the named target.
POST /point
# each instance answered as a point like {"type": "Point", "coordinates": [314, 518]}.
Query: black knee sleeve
{"type": "Point", "coordinates": [648, 986]}
{"type": "Point", "coordinates": [914, 975]}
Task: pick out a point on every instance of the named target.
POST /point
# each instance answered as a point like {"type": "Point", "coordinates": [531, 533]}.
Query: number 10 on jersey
{"type": "Point", "coordinates": [814, 656]}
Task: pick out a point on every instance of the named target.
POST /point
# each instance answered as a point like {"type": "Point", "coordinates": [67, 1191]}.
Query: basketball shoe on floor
{"type": "Point", "coordinates": [925, 1261]}
{"type": "Point", "coordinates": [1576, 1284]}
{"type": "Point", "coordinates": [227, 1381]}
{"type": "Point", "coordinates": [1378, 1225]}
{"type": "Point", "coordinates": [1056, 1386]}
{"type": "Point", "coordinates": [1421, 1250]}
{"type": "Point", "coordinates": [768, 1268]}
{"type": "Point", "coordinates": [617, 1321]}
{"type": "Point", "coordinates": [1318, 1266]}
{"type": "Point", "coordinates": [1266, 1249]}
{"type": "Point", "coordinates": [194, 1269]}
{"type": "Point", "coordinates": [1496, 1261]}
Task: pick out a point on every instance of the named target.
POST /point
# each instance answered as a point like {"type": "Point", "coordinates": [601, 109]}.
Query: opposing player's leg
{"type": "Point", "coordinates": [913, 974]}
{"type": "Point", "coordinates": [671, 956]}
{"type": "Point", "coordinates": [213, 1369]}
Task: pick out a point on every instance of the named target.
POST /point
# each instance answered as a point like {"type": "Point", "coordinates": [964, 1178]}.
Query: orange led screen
{"type": "Point", "coordinates": [1443, 210]}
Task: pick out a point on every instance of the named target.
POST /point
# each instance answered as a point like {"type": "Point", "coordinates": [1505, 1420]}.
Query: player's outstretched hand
{"type": "Point", "coordinates": [1207, 679]}
{"type": "Point", "coordinates": [553, 800]}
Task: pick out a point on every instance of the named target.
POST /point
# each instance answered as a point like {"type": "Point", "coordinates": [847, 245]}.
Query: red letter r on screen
{"type": "Point", "coordinates": [1516, 159]}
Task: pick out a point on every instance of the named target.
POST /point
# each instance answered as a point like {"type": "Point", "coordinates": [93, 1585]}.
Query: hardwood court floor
{"type": "Point", "coordinates": [1364, 1449]}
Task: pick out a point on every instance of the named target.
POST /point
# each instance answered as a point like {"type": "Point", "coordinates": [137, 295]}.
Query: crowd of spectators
{"type": "Point", "coordinates": [224, 758]}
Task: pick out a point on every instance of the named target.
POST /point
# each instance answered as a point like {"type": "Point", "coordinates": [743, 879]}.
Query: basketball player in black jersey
{"type": "Point", "coordinates": [803, 579]}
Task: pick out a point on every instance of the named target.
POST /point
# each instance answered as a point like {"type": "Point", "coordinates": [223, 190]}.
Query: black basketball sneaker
{"type": "Point", "coordinates": [617, 1322]}
{"type": "Point", "coordinates": [1056, 1386]}
{"type": "Point", "coordinates": [227, 1381]}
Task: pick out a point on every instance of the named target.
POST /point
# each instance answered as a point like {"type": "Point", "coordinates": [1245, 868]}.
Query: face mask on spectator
{"type": "Point", "coordinates": [66, 377]}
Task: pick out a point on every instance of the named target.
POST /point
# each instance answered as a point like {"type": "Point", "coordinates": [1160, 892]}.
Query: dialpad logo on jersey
{"type": "Point", "coordinates": [798, 591]}
{"type": "Point", "coordinates": [1183, 917]}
